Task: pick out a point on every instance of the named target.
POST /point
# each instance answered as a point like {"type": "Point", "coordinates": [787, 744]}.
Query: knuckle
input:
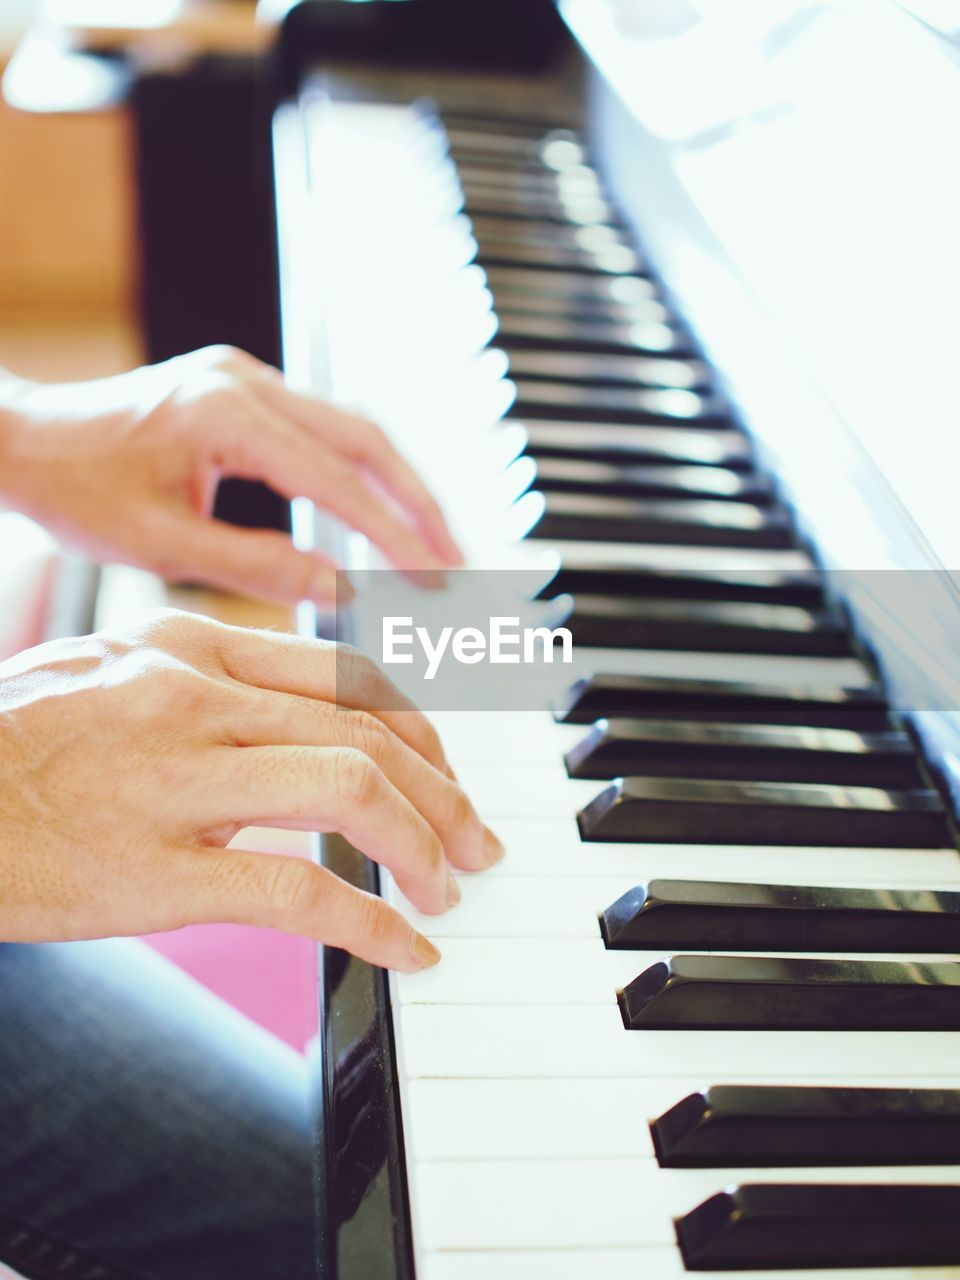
{"type": "Point", "coordinates": [367, 734]}
{"type": "Point", "coordinates": [184, 635]}
{"type": "Point", "coordinates": [292, 888]}
{"type": "Point", "coordinates": [357, 675]}
{"type": "Point", "coordinates": [357, 778]}
{"type": "Point", "coordinates": [224, 355]}
{"type": "Point", "coordinates": [170, 625]}
{"type": "Point", "coordinates": [375, 921]}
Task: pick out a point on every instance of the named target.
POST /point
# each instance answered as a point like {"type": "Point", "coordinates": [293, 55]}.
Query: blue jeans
{"type": "Point", "coordinates": [147, 1130]}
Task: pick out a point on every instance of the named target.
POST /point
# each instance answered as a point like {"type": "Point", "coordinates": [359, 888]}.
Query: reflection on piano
{"type": "Point", "coordinates": [706, 1013]}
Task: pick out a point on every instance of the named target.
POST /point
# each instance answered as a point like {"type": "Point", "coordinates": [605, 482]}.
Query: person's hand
{"type": "Point", "coordinates": [126, 469]}
{"type": "Point", "coordinates": [131, 759]}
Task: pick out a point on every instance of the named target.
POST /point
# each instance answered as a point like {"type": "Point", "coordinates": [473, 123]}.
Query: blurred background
{"type": "Point", "coordinates": [67, 258]}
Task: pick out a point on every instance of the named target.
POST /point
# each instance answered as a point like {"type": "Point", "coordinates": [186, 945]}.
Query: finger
{"type": "Point", "coordinates": [265, 446]}
{"type": "Point", "coordinates": [284, 720]}
{"type": "Point", "coordinates": [248, 561]}
{"type": "Point", "coordinates": [335, 789]}
{"type": "Point", "coordinates": [363, 443]}
{"type": "Point", "coordinates": [241, 887]}
{"type": "Point", "coordinates": [367, 446]}
{"type": "Point", "coordinates": [329, 673]}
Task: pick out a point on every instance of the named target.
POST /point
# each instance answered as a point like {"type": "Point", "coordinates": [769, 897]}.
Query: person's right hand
{"type": "Point", "coordinates": [130, 760]}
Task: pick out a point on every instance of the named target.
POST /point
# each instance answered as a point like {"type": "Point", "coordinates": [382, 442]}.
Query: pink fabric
{"type": "Point", "coordinates": [269, 976]}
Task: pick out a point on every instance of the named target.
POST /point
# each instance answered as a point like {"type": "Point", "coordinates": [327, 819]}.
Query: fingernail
{"type": "Point", "coordinates": [429, 579]}
{"type": "Point", "coordinates": [454, 893]}
{"type": "Point", "coordinates": [492, 847]}
{"type": "Point", "coordinates": [424, 952]}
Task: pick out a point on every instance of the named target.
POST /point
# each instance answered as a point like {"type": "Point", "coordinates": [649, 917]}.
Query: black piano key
{"type": "Point", "coordinates": [586, 318]}
{"type": "Point", "coordinates": [531, 180]}
{"type": "Point", "coordinates": [609, 370]}
{"type": "Point", "coordinates": [759, 993]}
{"type": "Point", "coordinates": [520, 126]}
{"type": "Point", "coordinates": [761, 586]}
{"type": "Point", "coordinates": [594, 314]}
{"type": "Point", "coordinates": [695, 811]}
{"type": "Point", "coordinates": [613, 260]}
{"type": "Point", "coordinates": [549, 232]}
{"type": "Point", "coordinates": [766, 1227]}
{"type": "Point", "coordinates": [720, 484]}
{"type": "Point", "coordinates": [627, 446]}
{"type": "Point", "coordinates": [731, 701]}
{"type": "Point", "coordinates": [671, 406]}
{"type": "Point", "coordinates": [529, 147]}
{"type": "Point", "coordinates": [671, 915]}
{"type": "Point", "coordinates": [502, 200]}
{"type": "Point", "coordinates": [730, 1126]}
{"type": "Point", "coordinates": [744, 753]}
{"type": "Point", "coordinates": [681, 521]}
{"type": "Point", "coordinates": [578, 332]}
{"type": "Point", "coordinates": [707, 626]}
{"type": "Point", "coordinates": [572, 288]}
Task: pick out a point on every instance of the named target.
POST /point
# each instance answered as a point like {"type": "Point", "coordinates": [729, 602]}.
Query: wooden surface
{"type": "Point", "coordinates": [222, 26]}
{"type": "Point", "coordinates": [67, 216]}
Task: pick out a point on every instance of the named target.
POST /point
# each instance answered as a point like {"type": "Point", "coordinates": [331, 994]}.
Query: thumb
{"type": "Point", "coordinates": [261, 562]}
{"type": "Point", "coordinates": [241, 887]}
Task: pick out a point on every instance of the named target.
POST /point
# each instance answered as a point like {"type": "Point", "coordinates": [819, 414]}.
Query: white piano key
{"type": "Point", "coordinates": [540, 791]}
{"type": "Point", "coordinates": [628, 1264]}
{"type": "Point", "coordinates": [524, 1119]}
{"type": "Point", "coordinates": [566, 1264]}
{"type": "Point", "coordinates": [640, 555]}
{"type": "Point", "coordinates": [520, 971]}
{"type": "Point", "coordinates": [518, 908]}
{"type": "Point", "coordinates": [553, 848]}
{"type": "Point", "coordinates": [559, 971]}
{"type": "Point", "coordinates": [522, 907]}
{"type": "Point", "coordinates": [505, 737]}
{"type": "Point", "coordinates": [540, 1042]}
{"type": "Point", "coordinates": [590, 1204]}
{"type": "Point", "coordinates": [551, 1119]}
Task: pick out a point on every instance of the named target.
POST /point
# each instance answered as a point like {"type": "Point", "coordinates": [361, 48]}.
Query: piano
{"type": "Point", "coordinates": [664, 294]}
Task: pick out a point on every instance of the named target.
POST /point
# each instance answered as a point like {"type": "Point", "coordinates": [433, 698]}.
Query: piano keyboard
{"type": "Point", "coordinates": [706, 1012]}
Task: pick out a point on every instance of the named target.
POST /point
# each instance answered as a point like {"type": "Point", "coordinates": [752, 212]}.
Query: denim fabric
{"type": "Point", "coordinates": [147, 1130]}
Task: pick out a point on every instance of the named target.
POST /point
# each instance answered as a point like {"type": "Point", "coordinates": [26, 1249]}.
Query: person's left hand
{"type": "Point", "coordinates": [126, 469]}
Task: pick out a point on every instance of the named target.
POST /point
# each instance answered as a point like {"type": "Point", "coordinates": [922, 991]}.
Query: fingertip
{"type": "Point", "coordinates": [493, 848]}
{"type": "Point", "coordinates": [445, 545]}
{"type": "Point", "coordinates": [427, 579]}
{"type": "Point", "coordinates": [327, 586]}
{"type": "Point", "coordinates": [425, 954]}
{"type": "Point", "coordinates": [454, 555]}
